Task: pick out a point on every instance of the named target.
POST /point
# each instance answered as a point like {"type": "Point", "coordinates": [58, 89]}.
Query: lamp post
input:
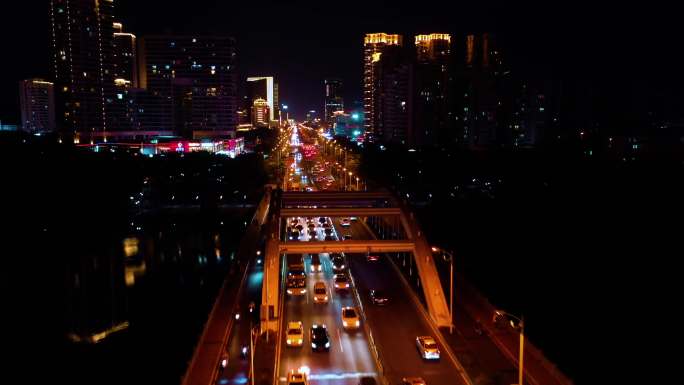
{"type": "Point", "coordinates": [521, 326]}
{"type": "Point", "coordinates": [350, 180]}
{"type": "Point", "coordinates": [357, 183]}
{"type": "Point", "coordinates": [344, 178]}
{"type": "Point", "coordinates": [451, 285]}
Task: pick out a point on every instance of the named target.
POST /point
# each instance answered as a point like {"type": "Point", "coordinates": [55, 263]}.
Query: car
{"type": "Point", "coordinates": [372, 257]}
{"type": "Point", "coordinates": [298, 377]}
{"type": "Point", "coordinates": [295, 333]}
{"type": "Point", "coordinates": [353, 219]}
{"type": "Point", "coordinates": [413, 381]}
{"type": "Point", "coordinates": [366, 380]}
{"type": "Point", "coordinates": [341, 282]}
{"type": "Point", "coordinates": [350, 318]}
{"type": "Point", "coordinates": [320, 292]}
{"type": "Point", "coordinates": [345, 222]}
{"type": "Point", "coordinates": [309, 189]}
{"type": "Point", "coordinates": [316, 263]}
{"type": "Point", "coordinates": [337, 262]}
{"type": "Point", "coordinates": [320, 339]}
{"type": "Point", "coordinates": [427, 347]}
{"type": "Point", "coordinates": [378, 297]}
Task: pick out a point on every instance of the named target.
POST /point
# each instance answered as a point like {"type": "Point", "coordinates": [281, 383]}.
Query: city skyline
{"type": "Point", "coordinates": [562, 49]}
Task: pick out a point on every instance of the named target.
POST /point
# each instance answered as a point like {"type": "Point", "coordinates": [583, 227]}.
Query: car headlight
{"type": "Point", "coordinates": [313, 345]}
{"type": "Point", "coordinates": [289, 341]}
{"type": "Point", "coordinates": [346, 285]}
{"type": "Point", "coordinates": [289, 291]}
{"type": "Point", "coordinates": [326, 297]}
{"type": "Point", "coordinates": [344, 323]}
{"type": "Point", "coordinates": [299, 341]}
{"type": "Point", "coordinates": [341, 266]}
{"type": "Point", "coordinates": [327, 344]}
{"type": "Point", "coordinates": [357, 322]}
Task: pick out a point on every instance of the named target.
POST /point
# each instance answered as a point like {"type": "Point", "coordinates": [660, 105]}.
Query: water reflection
{"type": "Point", "coordinates": [160, 284]}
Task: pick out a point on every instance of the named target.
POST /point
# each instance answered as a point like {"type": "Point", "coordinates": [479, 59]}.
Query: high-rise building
{"type": "Point", "coordinates": [375, 44]}
{"type": "Point", "coordinates": [82, 34]}
{"type": "Point", "coordinates": [264, 87]}
{"type": "Point", "coordinates": [333, 98]}
{"type": "Point", "coordinates": [196, 78]}
{"type": "Point", "coordinates": [480, 93]}
{"type": "Point", "coordinates": [260, 113]}
{"type": "Point", "coordinates": [125, 63]}
{"type": "Point", "coordinates": [37, 100]}
{"type": "Point", "coordinates": [393, 108]}
{"type": "Point", "coordinates": [431, 81]}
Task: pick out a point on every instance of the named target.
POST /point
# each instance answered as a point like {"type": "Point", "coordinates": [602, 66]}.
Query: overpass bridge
{"type": "Point", "coordinates": [371, 205]}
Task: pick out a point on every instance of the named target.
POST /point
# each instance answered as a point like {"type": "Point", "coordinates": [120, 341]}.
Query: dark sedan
{"type": "Point", "coordinates": [378, 297]}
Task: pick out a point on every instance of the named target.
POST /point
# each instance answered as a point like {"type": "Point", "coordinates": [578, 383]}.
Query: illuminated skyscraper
{"type": "Point", "coordinates": [333, 98]}
{"type": "Point", "coordinates": [430, 88]}
{"type": "Point", "coordinates": [125, 64]}
{"type": "Point", "coordinates": [82, 34]}
{"type": "Point", "coordinates": [37, 105]}
{"type": "Point", "coordinates": [264, 87]}
{"type": "Point", "coordinates": [260, 113]}
{"type": "Point", "coordinates": [196, 78]}
{"type": "Point", "coordinates": [374, 46]}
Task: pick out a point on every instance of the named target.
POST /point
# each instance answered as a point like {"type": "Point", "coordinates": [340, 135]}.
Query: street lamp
{"type": "Point", "coordinates": [451, 286]}
{"type": "Point", "coordinates": [344, 178]}
{"type": "Point", "coordinates": [357, 183]}
{"type": "Point", "coordinates": [521, 326]}
{"type": "Point", "coordinates": [350, 179]}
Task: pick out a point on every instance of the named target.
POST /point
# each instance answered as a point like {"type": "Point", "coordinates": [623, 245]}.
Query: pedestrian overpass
{"type": "Point", "coordinates": [380, 207]}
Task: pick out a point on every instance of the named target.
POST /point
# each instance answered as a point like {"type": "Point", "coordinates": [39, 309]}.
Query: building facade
{"type": "Point", "coordinates": [37, 99]}
{"type": "Point", "coordinates": [333, 98]}
{"type": "Point", "coordinates": [82, 45]}
{"type": "Point", "coordinates": [430, 91]}
{"type": "Point", "coordinates": [196, 79]}
{"type": "Point", "coordinates": [260, 113]}
{"type": "Point", "coordinates": [264, 87]}
{"type": "Point", "coordinates": [374, 45]}
{"type": "Point", "coordinates": [125, 58]}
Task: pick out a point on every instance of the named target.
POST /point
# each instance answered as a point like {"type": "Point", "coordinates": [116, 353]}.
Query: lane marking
{"type": "Point", "coordinates": [339, 337]}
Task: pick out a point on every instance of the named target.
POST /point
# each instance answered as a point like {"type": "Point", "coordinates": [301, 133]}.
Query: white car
{"type": "Point", "coordinates": [320, 292]}
{"type": "Point", "coordinates": [427, 347]}
{"type": "Point", "coordinates": [341, 282]}
{"type": "Point", "coordinates": [350, 318]}
{"type": "Point", "coordinates": [295, 333]}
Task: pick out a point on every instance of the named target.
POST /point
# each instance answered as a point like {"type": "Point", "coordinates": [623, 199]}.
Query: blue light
{"type": "Point", "coordinates": [355, 116]}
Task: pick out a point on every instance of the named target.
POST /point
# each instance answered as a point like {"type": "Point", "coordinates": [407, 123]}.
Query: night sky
{"type": "Point", "coordinates": [612, 47]}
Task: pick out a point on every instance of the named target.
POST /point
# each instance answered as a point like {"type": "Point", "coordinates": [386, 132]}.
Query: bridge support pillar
{"type": "Point", "coordinates": [270, 295]}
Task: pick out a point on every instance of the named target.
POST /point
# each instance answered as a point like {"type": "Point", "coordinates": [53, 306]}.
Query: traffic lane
{"type": "Point", "coordinates": [237, 370]}
{"type": "Point", "coordinates": [396, 325]}
{"type": "Point", "coordinates": [349, 356]}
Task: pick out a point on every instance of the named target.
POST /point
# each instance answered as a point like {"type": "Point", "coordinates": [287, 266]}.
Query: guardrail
{"type": "Point", "coordinates": [369, 333]}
